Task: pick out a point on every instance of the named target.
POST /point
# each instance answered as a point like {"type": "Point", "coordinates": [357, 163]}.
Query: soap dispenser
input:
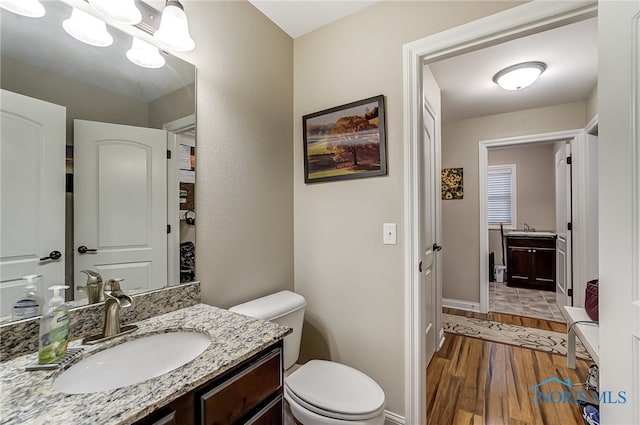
{"type": "Point", "coordinates": [93, 287]}
{"type": "Point", "coordinates": [29, 303]}
{"type": "Point", "coordinates": [54, 328]}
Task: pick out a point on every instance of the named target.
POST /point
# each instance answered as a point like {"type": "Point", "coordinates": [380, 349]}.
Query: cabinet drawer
{"type": "Point", "coordinates": [531, 242]}
{"type": "Point", "coordinates": [271, 414]}
{"type": "Point", "coordinates": [229, 401]}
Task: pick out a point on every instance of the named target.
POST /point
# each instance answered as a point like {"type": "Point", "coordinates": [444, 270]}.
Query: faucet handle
{"type": "Point", "coordinates": [113, 285]}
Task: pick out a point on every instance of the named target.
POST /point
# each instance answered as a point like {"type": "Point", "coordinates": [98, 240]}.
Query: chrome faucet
{"type": "Point", "coordinates": [114, 300]}
{"type": "Point", "coordinates": [526, 227]}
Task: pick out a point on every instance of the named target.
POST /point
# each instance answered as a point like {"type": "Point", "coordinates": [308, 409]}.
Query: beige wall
{"type": "Point", "coordinates": [352, 282]}
{"type": "Point", "coordinates": [76, 96]}
{"type": "Point", "coordinates": [177, 104]}
{"type": "Point", "coordinates": [535, 188]}
{"type": "Point", "coordinates": [244, 189]}
{"type": "Point", "coordinates": [460, 218]}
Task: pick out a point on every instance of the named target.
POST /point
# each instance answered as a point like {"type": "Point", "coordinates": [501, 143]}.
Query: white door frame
{"type": "Point", "coordinates": [483, 162]}
{"type": "Point", "coordinates": [519, 21]}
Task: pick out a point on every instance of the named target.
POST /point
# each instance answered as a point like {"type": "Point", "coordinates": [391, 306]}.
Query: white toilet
{"type": "Point", "coordinates": [319, 392]}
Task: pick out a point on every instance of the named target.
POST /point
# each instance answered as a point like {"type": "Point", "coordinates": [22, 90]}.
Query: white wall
{"type": "Point", "coordinates": [244, 195]}
{"type": "Point", "coordinates": [460, 218]}
{"type": "Point", "coordinates": [353, 284]}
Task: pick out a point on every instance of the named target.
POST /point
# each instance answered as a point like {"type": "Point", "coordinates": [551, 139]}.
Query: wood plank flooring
{"type": "Point", "coordinates": [471, 381]}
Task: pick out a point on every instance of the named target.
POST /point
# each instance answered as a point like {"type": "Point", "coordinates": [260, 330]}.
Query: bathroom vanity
{"type": "Point", "coordinates": [531, 260]}
{"type": "Point", "coordinates": [238, 377]}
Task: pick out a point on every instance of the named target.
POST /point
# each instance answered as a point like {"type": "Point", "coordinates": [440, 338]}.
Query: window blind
{"type": "Point", "coordinates": [499, 190]}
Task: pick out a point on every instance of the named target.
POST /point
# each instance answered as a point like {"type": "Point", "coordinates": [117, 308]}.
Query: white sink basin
{"type": "Point", "coordinates": [132, 362]}
{"type": "Point", "coordinates": [531, 234]}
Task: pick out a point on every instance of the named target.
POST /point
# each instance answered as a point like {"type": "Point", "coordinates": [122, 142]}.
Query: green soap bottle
{"type": "Point", "coordinates": [54, 328]}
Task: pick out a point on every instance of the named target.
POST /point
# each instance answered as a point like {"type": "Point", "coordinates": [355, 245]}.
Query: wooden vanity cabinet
{"type": "Point", "coordinates": [250, 393]}
{"type": "Point", "coordinates": [531, 262]}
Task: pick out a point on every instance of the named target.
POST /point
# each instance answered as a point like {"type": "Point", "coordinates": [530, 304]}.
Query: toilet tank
{"type": "Point", "coordinates": [284, 308]}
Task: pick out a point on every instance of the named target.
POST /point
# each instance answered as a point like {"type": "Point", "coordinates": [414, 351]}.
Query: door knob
{"type": "Point", "coordinates": [437, 247]}
{"type": "Point", "coordinates": [420, 267]}
{"type": "Point", "coordinates": [53, 255]}
{"type": "Point", "coordinates": [83, 249]}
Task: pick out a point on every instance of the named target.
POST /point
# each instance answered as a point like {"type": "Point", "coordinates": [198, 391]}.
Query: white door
{"type": "Point", "coordinates": [619, 209]}
{"type": "Point", "coordinates": [429, 197]}
{"type": "Point", "coordinates": [563, 218]}
{"type": "Point", "coordinates": [120, 204]}
{"type": "Point", "coordinates": [32, 167]}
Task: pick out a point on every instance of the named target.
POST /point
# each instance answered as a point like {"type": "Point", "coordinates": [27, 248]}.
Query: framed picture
{"type": "Point", "coordinates": [345, 142]}
{"type": "Point", "coordinates": [452, 183]}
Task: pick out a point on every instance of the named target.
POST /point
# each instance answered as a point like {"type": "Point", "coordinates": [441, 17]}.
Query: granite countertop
{"type": "Point", "coordinates": [29, 398]}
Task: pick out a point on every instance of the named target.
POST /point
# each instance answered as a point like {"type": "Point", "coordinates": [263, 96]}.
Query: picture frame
{"type": "Point", "coordinates": [345, 142]}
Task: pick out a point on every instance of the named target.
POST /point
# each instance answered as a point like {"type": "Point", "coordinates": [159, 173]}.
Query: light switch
{"type": "Point", "coordinates": [389, 234]}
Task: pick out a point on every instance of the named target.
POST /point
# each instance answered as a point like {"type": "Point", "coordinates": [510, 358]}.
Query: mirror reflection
{"type": "Point", "coordinates": [86, 184]}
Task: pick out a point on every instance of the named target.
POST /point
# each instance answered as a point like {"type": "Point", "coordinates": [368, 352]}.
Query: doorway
{"type": "Point", "coordinates": [491, 30]}
{"type": "Point", "coordinates": [540, 280]}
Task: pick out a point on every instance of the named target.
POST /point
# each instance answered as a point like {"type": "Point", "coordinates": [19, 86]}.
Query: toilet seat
{"type": "Point", "coordinates": [334, 390]}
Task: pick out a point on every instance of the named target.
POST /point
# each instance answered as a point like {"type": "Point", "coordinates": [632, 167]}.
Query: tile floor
{"type": "Point", "coordinates": [523, 302]}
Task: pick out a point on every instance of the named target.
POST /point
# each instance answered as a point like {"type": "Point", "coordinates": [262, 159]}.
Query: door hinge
{"type": "Point", "coordinates": [168, 154]}
{"type": "Point", "coordinates": [569, 226]}
{"type": "Point", "coordinates": [168, 228]}
{"type": "Point", "coordinates": [568, 160]}
{"type": "Point", "coordinates": [570, 292]}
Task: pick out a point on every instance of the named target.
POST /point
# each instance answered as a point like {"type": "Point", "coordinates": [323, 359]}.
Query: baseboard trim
{"type": "Point", "coordinates": [441, 339]}
{"type": "Point", "coordinates": [393, 418]}
{"type": "Point", "coordinates": [461, 305]}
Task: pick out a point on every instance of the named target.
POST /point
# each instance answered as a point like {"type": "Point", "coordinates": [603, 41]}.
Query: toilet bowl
{"type": "Point", "coordinates": [318, 392]}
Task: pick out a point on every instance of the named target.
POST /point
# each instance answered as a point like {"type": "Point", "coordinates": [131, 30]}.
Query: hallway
{"type": "Point", "coordinates": [471, 381]}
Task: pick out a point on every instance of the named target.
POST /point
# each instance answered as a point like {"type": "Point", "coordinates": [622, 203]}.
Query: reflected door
{"type": "Point", "coordinates": [32, 167]}
{"type": "Point", "coordinates": [120, 204]}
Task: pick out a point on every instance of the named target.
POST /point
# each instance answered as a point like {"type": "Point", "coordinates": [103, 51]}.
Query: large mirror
{"type": "Point", "coordinates": [86, 181]}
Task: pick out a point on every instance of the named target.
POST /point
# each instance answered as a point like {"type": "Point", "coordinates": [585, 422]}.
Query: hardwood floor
{"type": "Point", "coordinates": [471, 381]}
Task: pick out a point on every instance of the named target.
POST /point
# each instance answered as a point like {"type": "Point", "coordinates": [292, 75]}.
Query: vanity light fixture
{"type": "Point", "coordinates": [516, 77]}
{"type": "Point", "coordinates": [87, 28]}
{"type": "Point", "coordinates": [122, 11]}
{"type": "Point", "coordinates": [174, 28]}
{"type": "Point", "coordinates": [144, 54]}
{"type": "Point", "coordinates": [28, 8]}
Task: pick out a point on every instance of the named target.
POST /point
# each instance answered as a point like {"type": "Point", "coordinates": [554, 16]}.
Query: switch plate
{"type": "Point", "coordinates": [389, 234]}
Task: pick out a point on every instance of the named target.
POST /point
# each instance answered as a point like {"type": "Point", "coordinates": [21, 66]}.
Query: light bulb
{"type": "Point", "coordinates": [87, 28]}
{"type": "Point", "coordinates": [144, 54]}
{"type": "Point", "coordinates": [28, 8]}
{"type": "Point", "coordinates": [519, 76]}
{"type": "Point", "coordinates": [174, 28]}
{"type": "Point", "coordinates": [123, 11]}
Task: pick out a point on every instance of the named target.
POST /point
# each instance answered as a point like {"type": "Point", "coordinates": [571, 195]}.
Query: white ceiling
{"type": "Point", "coordinates": [297, 18]}
{"type": "Point", "coordinates": [570, 53]}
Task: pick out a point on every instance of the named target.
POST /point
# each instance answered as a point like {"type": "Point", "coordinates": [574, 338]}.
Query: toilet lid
{"type": "Point", "coordinates": [335, 390]}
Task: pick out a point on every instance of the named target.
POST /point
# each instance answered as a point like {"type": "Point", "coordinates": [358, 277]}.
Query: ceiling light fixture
{"type": "Point", "coordinates": [174, 28]}
{"type": "Point", "coordinates": [519, 76]}
{"type": "Point", "coordinates": [144, 54]}
{"type": "Point", "coordinates": [28, 8]}
{"type": "Point", "coordinates": [87, 28]}
{"type": "Point", "coordinates": [122, 11]}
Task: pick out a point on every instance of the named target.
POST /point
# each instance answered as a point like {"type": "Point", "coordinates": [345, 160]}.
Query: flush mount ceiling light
{"type": "Point", "coordinates": [174, 28]}
{"type": "Point", "coordinates": [144, 54]}
{"type": "Point", "coordinates": [123, 11]}
{"type": "Point", "coordinates": [28, 8]}
{"type": "Point", "coordinates": [519, 76]}
{"type": "Point", "coordinates": [87, 28]}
